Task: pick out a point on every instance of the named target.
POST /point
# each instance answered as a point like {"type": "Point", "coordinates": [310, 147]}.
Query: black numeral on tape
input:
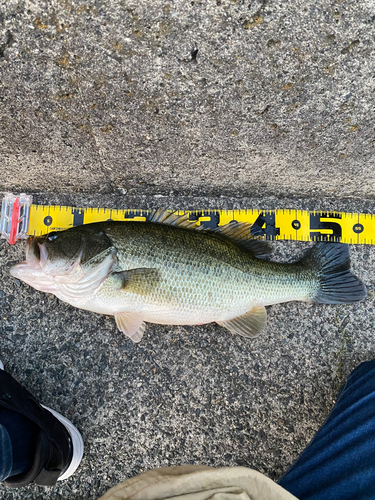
{"type": "Point", "coordinates": [132, 214]}
{"type": "Point", "coordinates": [316, 224]}
{"type": "Point", "coordinates": [209, 224]}
{"type": "Point", "coordinates": [265, 225]}
{"type": "Point", "coordinates": [78, 217]}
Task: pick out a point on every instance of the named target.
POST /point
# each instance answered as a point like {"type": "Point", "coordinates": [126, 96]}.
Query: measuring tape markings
{"type": "Point", "coordinates": [281, 224]}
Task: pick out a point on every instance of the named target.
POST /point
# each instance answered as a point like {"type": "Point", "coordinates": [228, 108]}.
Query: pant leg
{"type": "Point", "coordinates": [6, 455]}
{"type": "Point", "coordinates": [339, 462]}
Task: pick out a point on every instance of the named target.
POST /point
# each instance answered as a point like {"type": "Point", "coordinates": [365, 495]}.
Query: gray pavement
{"type": "Point", "coordinates": [184, 394]}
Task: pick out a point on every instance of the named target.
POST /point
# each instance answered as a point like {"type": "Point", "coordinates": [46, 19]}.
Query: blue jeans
{"type": "Point", "coordinates": [6, 454]}
{"type": "Point", "coordinates": [339, 462]}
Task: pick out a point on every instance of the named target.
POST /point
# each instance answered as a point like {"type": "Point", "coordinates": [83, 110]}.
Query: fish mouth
{"type": "Point", "coordinates": [38, 264]}
{"type": "Point", "coordinates": [36, 258]}
{"type": "Point", "coordinates": [36, 253]}
{"type": "Point", "coordinates": [34, 270]}
{"type": "Point", "coordinates": [47, 272]}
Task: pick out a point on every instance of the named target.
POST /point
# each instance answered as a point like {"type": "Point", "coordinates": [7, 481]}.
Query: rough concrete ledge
{"type": "Point", "coordinates": [223, 96]}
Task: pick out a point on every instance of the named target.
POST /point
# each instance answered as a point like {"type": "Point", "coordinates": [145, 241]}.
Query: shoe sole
{"type": "Point", "coordinates": [1, 365]}
{"type": "Point", "coordinates": [77, 442]}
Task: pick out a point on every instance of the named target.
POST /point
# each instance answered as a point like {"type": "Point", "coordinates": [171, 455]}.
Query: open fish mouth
{"type": "Point", "coordinates": [36, 258]}
{"type": "Point", "coordinates": [63, 277]}
{"type": "Point", "coordinates": [32, 270]}
{"type": "Point", "coordinates": [36, 253]}
{"type": "Point", "coordinates": [37, 261]}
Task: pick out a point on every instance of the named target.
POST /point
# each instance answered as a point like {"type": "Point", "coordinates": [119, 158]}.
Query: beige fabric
{"type": "Point", "coordinates": [198, 482]}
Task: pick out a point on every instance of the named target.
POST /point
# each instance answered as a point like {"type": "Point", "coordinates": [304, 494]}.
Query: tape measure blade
{"type": "Point", "coordinates": [287, 224]}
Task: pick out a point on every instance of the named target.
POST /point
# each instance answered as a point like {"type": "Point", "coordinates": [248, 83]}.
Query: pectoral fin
{"type": "Point", "coordinates": [248, 325]}
{"type": "Point", "coordinates": [140, 280]}
{"type": "Point", "coordinates": [131, 324]}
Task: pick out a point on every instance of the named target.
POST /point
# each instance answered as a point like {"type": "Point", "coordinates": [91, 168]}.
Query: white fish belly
{"type": "Point", "coordinates": [177, 316]}
{"type": "Point", "coordinates": [168, 314]}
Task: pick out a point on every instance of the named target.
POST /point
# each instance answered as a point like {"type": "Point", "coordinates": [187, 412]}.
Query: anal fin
{"type": "Point", "coordinates": [131, 324]}
{"type": "Point", "coordinates": [249, 324]}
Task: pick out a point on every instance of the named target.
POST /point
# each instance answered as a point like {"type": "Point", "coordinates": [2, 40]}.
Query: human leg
{"type": "Point", "coordinates": [339, 462]}
{"type": "Point", "coordinates": [6, 456]}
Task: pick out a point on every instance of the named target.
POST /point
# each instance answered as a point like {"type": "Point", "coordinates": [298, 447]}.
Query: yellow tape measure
{"type": "Point", "coordinates": [20, 218]}
{"type": "Point", "coordinates": [282, 224]}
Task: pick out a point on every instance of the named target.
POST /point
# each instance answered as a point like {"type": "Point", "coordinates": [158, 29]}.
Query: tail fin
{"type": "Point", "coordinates": [337, 285]}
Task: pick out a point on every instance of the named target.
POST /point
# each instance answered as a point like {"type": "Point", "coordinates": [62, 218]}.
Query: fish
{"type": "Point", "coordinates": [170, 271]}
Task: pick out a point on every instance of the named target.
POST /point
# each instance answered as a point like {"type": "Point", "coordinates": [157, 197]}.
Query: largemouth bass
{"type": "Point", "coordinates": [166, 272]}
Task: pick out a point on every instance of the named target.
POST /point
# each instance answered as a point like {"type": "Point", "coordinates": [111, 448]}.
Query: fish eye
{"type": "Point", "coordinates": [52, 236]}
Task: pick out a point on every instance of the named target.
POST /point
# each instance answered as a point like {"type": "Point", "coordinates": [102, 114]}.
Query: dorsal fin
{"type": "Point", "coordinates": [238, 232]}
{"type": "Point", "coordinates": [241, 234]}
{"type": "Point", "coordinates": [162, 216]}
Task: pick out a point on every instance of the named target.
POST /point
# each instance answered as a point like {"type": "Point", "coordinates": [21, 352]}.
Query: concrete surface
{"type": "Point", "coordinates": [215, 97]}
{"type": "Point", "coordinates": [184, 394]}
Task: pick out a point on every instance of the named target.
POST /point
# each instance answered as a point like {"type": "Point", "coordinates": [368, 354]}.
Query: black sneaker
{"type": "Point", "coordinates": [59, 445]}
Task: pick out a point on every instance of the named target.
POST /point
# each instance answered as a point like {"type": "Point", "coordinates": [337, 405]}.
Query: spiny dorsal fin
{"type": "Point", "coordinates": [249, 324]}
{"type": "Point", "coordinates": [235, 231]}
{"type": "Point", "coordinates": [240, 233]}
{"type": "Point", "coordinates": [162, 216]}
